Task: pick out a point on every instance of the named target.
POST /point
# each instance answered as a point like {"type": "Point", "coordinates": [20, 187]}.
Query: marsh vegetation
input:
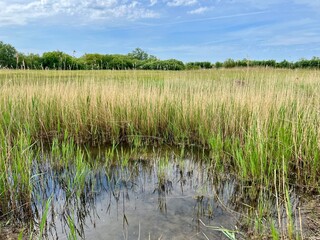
{"type": "Point", "coordinates": [65, 135]}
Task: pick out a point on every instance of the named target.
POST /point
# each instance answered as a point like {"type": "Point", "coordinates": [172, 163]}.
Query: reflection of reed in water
{"type": "Point", "coordinates": [209, 197]}
{"type": "Point", "coordinates": [73, 208]}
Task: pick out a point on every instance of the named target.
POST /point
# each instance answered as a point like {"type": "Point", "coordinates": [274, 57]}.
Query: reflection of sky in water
{"type": "Point", "coordinates": [131, 202]}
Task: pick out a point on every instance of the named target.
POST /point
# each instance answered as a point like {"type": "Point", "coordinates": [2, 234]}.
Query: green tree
{"type": "Point", "coordinates": [8, 56]}
{"type": "Point", "coordinates": [139, 54]}
{"type": "Point", "coordinates": [120, 62]}
{"type": "Point", "coordinates": [172, 64]}
{"type": "Point", "coordinates": [58, 60]}
{"type": "Point", "coordinates": [218, 65]}
{"type": "Point", "coordinates": [94, 61]}
{"type": "Point", "coordinates": [284, 64]}
{"type": "Point", "coordinates": [198, 65]}
{"type": "Point", "coordinates": [314, 62]}
{"type": "Point", "coordinates": [192, 65]}
{"type": "Point", "coordinates": [229, 63]}
{"type": "Point", "coordinates": [30, 61]}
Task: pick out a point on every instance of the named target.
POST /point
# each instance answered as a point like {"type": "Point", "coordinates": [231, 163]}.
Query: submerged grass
{"type": "Point", "coordinates": [265, 128]}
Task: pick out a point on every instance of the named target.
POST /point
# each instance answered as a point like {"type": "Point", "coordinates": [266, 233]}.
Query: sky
{"type": "Point", "coordinates": [188, 30]}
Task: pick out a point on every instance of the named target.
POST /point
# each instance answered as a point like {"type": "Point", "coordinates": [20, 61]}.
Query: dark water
{"type": "Point", "coordinates": [177, 198]}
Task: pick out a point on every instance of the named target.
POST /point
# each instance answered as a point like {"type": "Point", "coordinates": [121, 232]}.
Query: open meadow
{"type": "Point", "coordinates": [252, 131]}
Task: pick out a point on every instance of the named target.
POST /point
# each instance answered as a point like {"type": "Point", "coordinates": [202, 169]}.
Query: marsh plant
{"type": "Point", "coordinates": [261, 125]}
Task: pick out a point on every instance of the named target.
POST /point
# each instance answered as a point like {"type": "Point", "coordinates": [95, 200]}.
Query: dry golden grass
{"type": "Point", "coordinates": [150, 101]}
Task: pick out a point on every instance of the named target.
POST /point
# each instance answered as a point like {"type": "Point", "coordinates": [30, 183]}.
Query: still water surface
{"type": "Point", "coordinates": [175, 198]}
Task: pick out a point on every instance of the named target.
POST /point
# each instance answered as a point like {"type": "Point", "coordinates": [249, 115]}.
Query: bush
{"type": "Point", "coordinates": [8, 56]}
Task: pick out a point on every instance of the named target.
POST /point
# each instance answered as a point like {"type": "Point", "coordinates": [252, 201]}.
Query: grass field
{"type": "Point", "coordinates": [262, 125]}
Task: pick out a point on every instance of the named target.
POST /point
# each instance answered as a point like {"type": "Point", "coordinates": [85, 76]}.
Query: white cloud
{"type": "Point", "coordinates": [199, 10]}
{"type": "Point", "coordinates": [178, 3]}
{"type": "Point", "coordinates": [18, 13]}
{"type": "Point", "coordinates": [24, 11]}
{"type": "Point", "coordinates": [130, 11]}
{"type": "Point", "coordinates": [153, 2]}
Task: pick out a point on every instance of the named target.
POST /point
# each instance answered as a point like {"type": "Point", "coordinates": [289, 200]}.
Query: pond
{"type": "Point", "coordinates": [156, 196]}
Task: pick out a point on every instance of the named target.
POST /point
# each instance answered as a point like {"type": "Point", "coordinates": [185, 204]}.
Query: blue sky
{"type": "Point", "coordinates": [189, 30]}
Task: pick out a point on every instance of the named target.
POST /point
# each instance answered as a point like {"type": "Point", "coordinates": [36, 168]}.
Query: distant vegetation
{"type": "Point", "coordinates": [137, 59]}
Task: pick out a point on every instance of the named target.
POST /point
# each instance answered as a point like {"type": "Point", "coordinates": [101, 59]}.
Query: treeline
{"type": "Point", "coordinates": [302, 63]}
{"type": "Point", "coordinates": [60, 60]}
{"type": "Point", "coordinates": [137, 59]}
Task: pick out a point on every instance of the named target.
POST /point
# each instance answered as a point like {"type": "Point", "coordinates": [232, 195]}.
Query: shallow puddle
{"type": "Point", "coordinates": [144, 199]}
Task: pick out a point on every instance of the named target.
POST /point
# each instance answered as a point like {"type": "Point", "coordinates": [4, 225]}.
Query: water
{"type": "Point", "coordinates": [143, 199]}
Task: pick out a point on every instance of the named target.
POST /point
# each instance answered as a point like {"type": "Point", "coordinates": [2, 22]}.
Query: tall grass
{"type": "Point", "coordinates": [255, 122]}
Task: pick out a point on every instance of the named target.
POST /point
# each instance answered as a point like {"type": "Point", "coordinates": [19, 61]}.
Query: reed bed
{"type": "Point", "coordinates": [263, 125]}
